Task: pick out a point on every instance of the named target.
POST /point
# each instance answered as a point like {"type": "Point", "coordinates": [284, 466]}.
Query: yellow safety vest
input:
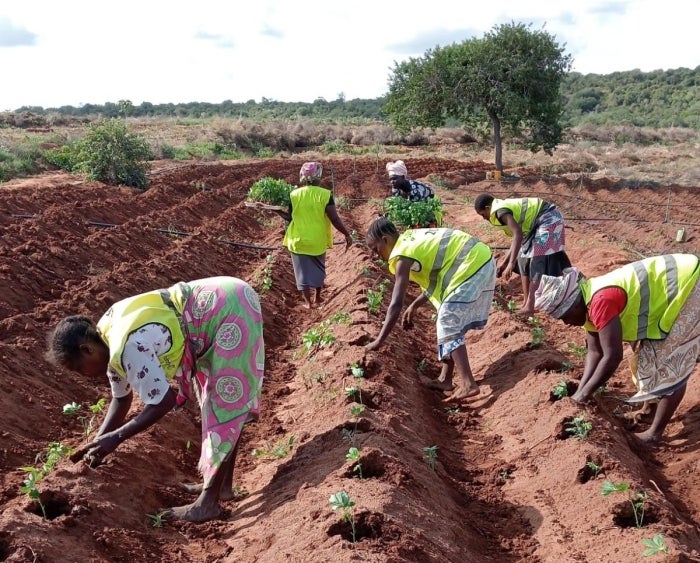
{"type": "Point", "coordinates": [525, 210]}
{"type": "Point", "coordinates": [310, 229]}
{"type": "Point", "coordinates": [128, 315]}
{"type": "Point", "coordinates": [446, 258]}
{"type": "Point", "coordinates": [656, 289]}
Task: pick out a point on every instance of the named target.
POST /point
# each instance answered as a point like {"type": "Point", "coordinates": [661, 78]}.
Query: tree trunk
{"type": "Point", "coordinates": [497, 145]}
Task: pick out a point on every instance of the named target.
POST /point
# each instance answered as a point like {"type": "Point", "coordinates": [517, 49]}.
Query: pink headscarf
{"type": "Point", "coordinates": [397, 168]}
{"type": "Point", "coordinates": [310, 171]}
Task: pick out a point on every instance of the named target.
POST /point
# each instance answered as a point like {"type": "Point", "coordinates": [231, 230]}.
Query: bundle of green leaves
{"type": "Point", "coordinates": [413, 214]}
{"type": "Point", "coordinates": [270, 191]}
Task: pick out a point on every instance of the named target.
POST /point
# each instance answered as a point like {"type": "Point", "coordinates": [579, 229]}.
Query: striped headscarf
{"type": "Point", "coordinates": [556, 295]}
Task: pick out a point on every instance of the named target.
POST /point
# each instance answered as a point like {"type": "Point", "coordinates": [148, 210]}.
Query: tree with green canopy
{"type": "Point", "coordinates": [510, 79]}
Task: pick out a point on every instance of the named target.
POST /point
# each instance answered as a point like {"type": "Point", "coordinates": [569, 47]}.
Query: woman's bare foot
{"type": "Point", "coordinates": [464, 394]}
{"type": "Point", "coordinates": [307, 305]}
{"type": "Point", "coordinates": [194, 512]}
{"type": "Point", "coordinates": [438, 385]}
{"type": "Point", "coordinates": [647, 438]}
{"type": "Point", "coordinates": [224, 494]}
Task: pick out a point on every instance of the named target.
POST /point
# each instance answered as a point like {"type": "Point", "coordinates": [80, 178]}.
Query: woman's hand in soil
{"type": "Point", "coordinates": [101, 447]}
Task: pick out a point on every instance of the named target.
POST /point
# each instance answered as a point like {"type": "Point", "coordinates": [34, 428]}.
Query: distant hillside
{"type": "Point", "coordinates": [669, 98]}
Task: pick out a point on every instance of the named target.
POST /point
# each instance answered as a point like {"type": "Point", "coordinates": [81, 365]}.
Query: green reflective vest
{"type": "Point", "coordinates": [443, 259]}
{"type": "Point", "coordinates": [656, 289]}
{"type": "Point", "coordinates": [128, 315]}
{"type": "Point", "coordinates": [525, 211]}
{"type": "Point", "coordinates": [310, 229]}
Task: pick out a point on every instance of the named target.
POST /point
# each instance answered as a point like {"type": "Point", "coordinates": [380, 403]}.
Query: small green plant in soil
{"type": "Point", "coordinates": [158, 519]}
{"type": "Point", "coordinates": [430, 456]}
{"type": "Point", "coordinates": [357, 410]}
{"type": "Point", "coordinates": [374, 300]}
{"type": "Point", "coordinates": [576, 350]}
{"type": "Point", "coordinates": [637, 500]}
{"type": "Point", "coordinates": [593, 466]}
{"type": "Point", "coordinates": [267, 273]}
{"type": "Point", "coordinates": [278, 450]}
{"type": "Point", "coordinates": [53, 455]}
{"type": "Point", "coordinates": [342, 501]}
{"type": "Point", "coordinates": [512, 305]}
{"type": "Point", "coordinates": [30, 488]}
{"type": "Point", "coordinates": [560, 390]}
{"type": "Point", "coordinates": [579, 427]}
{"type": "Point", "coordinates": [271, 191]}
{"type": "Point", "coordinates": [86, 421]}
{"type": "Point", "coordinates": [654, 546]}
{"type": "Point", "coordinates": [353, 456]}
{"type": "Point", "coordinates": [537, 332]}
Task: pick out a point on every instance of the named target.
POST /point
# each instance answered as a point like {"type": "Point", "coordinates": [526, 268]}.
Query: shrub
{"type": "Point", "coordinates": [65, 157]}
{"type": "Point", "coordinates": [111, 154]}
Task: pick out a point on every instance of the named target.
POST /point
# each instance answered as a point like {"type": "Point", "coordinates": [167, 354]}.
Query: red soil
{"type": "Point", "coordinates": [507, 484]}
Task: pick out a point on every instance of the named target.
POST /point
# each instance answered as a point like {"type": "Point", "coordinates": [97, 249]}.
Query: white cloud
{"type": "Point", "coordinates": [80, 51]}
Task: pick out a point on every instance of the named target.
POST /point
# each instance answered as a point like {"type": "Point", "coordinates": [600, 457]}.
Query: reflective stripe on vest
{"type": "Point", "coordinates": [656, 290]}
{"type": "Point", "coordinates": [645, 291]}
{"type": "Point", "coordinates": [447, 258]}
{"type": "Point", "coordinates": [519, 209]}
{"type": "Point", "coordinates": [442, 250]}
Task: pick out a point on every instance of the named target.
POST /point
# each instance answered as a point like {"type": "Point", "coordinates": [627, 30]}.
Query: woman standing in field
{"type": "Point", "coordinates": [538, 245]}
{"type": "Point", "coordinates": [206, 335]}
{"type": "Point", "coordinates": [457, 275]}
{"type": "Point", "coordinates": [308, 235]}
{"type": "Point", "coordinates": [652, 303]}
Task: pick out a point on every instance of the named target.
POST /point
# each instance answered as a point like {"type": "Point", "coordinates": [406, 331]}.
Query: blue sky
{"type": "Point", "coordinates": [87, 51]}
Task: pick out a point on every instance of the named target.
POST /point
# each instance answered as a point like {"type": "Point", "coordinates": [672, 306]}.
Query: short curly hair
{"type": "Point", "coordinates": [65, 339]}
{"type": "Point", "coordinates": [482, 201]}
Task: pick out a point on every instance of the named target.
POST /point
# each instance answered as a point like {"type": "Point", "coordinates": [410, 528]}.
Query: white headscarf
{"type": "Point", "coordinates": [556, 295]}
{"type": "Point", "coordinates": [397, 168]}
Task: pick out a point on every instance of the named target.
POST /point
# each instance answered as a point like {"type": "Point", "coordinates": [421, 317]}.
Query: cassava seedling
{"type": "Point", "coordinates": [430, 456]}
{"type": "Point", "coordinates": [353, 455]}
{"type": "Point", "coordinates": [278, 450]}
{"type": "Point", "coordinates": [86, 421]}
{"type": "Point", "coordinates": [654, 546]}
{"type": "Point", "coordinates": [374, 300]}
{"type": "Point", "coordinates": [53, 455]}
{"type": "Point", "coordinates": [593, 466]}
{"type": "Point", "coordinates": [579, 427]}
{"type": "Point", "coordinates": [560, 390]}
{"type": "Point", "coordinates": [30, 489]}
{"type": "Point", "coordinates": [637, 500]}
{"type": "Point", "coordinates": [341, 501]}
{"type": "Point", "coordinates": [158, 519]}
